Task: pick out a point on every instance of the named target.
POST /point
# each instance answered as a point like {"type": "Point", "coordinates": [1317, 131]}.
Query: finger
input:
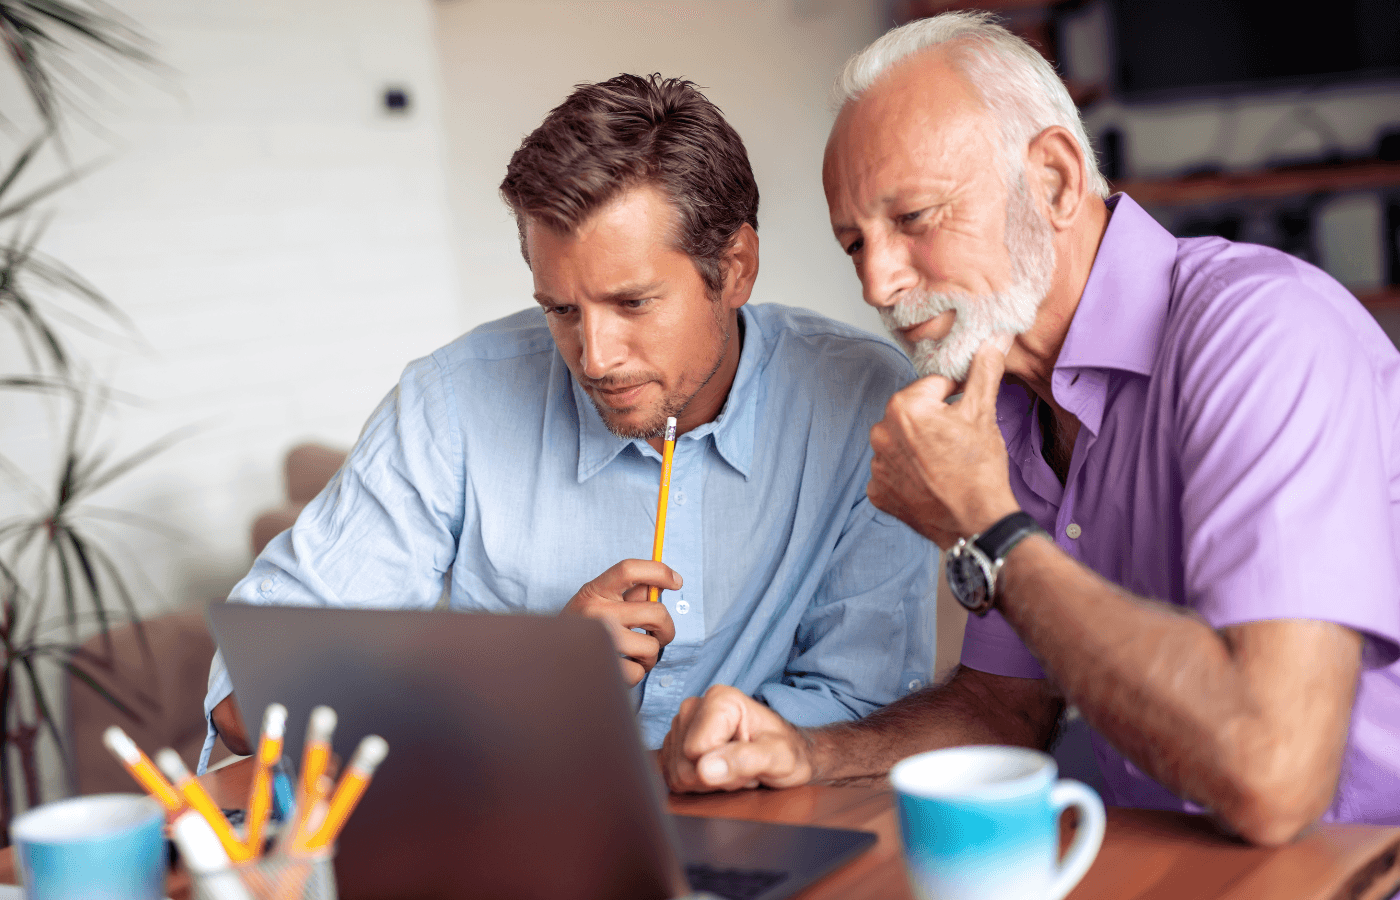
{"type": "Point", "coordinates": [642, 648]}
{"type": "Point", "coordinates": [935, 387]}
{"type": "Point", "coordinates": [632, 672]}
{"type": "Point", "coordinates": [716, 721]}
{"type": "Point", "coordinates": [632, 572]}
{"type": "Point", "coordinates": [653, 618]}
{"type": "Point", "coordinates": [735, 766]}
{"type": "Point", "coordinates": [679, 771]}
{"type": "Point", "coordinates": [983, 379]}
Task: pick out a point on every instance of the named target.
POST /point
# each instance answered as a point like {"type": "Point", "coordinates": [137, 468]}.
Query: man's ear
{"type": "Point", "coordinates": [1055, 173]}
{"type": "Point", "coordinates": [740, 267]}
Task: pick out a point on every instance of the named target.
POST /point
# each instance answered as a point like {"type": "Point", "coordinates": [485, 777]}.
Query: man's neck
{"type": "Point", "coordinates": [1032, 358]}
{"type": "Point", "coordinates": [710, 400]}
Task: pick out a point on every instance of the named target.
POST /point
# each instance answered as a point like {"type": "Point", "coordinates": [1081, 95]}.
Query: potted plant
{"type": "Point", "coordinates": [60, 581]}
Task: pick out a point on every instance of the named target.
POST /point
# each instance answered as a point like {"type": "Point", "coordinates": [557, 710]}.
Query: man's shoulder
{"type": "Point", "coordinates": [512, 356]}
{"type": "Point", "coordinates": [800, 337]}
{"type": "Point", "coordinates": [1223, 288]}
{"type": "Point", "coordinates": [521, 334]}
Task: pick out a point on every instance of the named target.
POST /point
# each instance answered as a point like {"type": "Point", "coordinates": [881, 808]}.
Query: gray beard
{"type": "Point", "coordinates": [1030, 243]}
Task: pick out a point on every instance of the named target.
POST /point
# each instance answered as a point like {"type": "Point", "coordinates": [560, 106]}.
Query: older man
{"type": "Point", "coordinates": [516, 463]}
{"type": "Point", "coordinates": [1173, 501]}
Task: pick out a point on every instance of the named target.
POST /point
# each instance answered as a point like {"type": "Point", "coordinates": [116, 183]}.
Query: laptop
{"type": "Point", "coordinates": [515, 766]}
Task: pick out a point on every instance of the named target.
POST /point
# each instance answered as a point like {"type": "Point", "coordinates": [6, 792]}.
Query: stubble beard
{"type": "Point", "coordinates": [1030, 243]}
{"type": "Point", "coordinates": [671, 404]}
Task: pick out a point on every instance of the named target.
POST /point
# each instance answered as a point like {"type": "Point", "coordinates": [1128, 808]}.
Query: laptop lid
{"type": "Point", "coordinates": [515, 769]}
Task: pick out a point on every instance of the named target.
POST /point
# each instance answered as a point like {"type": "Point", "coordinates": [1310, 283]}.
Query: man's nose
{"type": "Point", "coordinates": [886, 272]}
{"type": "Point", "coordinates": [604, 347]}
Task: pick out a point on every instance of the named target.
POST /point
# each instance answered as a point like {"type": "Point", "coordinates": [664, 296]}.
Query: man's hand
{"type": "Point", "coordinates": [941, 468]}
{"type": "Point", "coordinates": [228, 721]}
{"type": "Point", "coordinates": [726, 741]}
{"type": "Point", "coordinates": [618, 599]}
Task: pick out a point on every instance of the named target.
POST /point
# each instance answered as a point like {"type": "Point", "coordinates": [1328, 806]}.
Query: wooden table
{"type": "Point", "coordinates": [1145, 856]}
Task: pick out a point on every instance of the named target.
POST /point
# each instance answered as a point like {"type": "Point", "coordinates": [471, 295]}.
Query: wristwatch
{"type": "Point", "coordinates": [973, 563]}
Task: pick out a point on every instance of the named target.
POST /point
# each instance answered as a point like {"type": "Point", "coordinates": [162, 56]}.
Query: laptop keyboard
{"type": "Point", "coordinates": [732, 884]}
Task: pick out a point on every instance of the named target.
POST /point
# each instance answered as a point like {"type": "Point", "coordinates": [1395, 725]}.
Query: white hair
{"type": "Point", "coordinates": [1018, 86]}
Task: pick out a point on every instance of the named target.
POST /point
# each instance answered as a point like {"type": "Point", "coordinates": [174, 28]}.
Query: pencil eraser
{"type": "Point", "coordinates": [370, 753]}
{"type": "Point", "coordinates": [120, 743]}
{"type": "Point", "coordinates": [172, 765]}
{"type": "Point", "coordinates": [322, 724]}
{"type": "Point", "coordinates": [275, 721]}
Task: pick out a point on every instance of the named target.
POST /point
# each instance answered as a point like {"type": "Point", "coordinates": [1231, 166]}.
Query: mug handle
{"type": "Point", "coordinates": [1087, 837]}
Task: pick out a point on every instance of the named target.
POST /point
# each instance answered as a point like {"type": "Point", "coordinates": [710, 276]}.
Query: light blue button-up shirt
{"type": "Point", "coordinates": [489, 464]}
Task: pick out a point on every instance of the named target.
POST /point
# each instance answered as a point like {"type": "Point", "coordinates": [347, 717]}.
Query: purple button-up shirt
{"type": "Point", "coordinates": [1239, 454]}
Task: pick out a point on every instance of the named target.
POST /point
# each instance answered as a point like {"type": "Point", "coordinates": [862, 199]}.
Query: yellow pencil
{"type": "Point", "coordinates": [314, 757]}
{"type": "Point", "coordinates": [269, 752]}
{"type": "Point", "coordinates": [142, 769]}
{"type": "Point", "coordinates": [668, 450]}
{"type": "Point", "coordinates": [368, 756]}
{"type": "Point", "coordinates": [198, 798]}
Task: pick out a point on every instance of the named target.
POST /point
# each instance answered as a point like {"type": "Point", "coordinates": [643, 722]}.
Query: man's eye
{"type": "Point", "coordinates": [855, 246]}
{"type": "Point", "coordinates": [558, 310]}
{"type": "Point", "coordinates": [636, 302]}
{"type": "Point", "coordinates": [910, 217]}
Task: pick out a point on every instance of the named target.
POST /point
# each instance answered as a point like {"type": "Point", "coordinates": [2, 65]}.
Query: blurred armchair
{"type": "Point", "coordinates": [158, 670]}
{"type": "Point", "coordinates": [306, 469]}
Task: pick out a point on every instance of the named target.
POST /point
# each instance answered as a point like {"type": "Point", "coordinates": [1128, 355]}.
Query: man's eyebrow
{"type": "Point", "coordinates": [634, 291]}
{"type": "Point", "coordinates": [625, 292]}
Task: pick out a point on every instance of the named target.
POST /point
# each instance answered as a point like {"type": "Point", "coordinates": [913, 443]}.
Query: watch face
{"type": "Point", "coordinates": [968, 577]}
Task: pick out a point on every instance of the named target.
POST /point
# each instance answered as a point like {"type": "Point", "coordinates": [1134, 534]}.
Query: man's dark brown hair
{"type": "Point", "coordinates": [628, 131]}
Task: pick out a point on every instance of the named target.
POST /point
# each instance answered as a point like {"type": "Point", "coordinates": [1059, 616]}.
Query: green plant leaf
{"type": "Point", "coordinates": [45, 712]}
{"type": "Point", "coordinates": [30, 31]}
{"type": "Point", "coordinates": [21, 162]}
{"type": "Point", "coordinates": [44, 191]}
{"type": "Point", "coordinates": [156, 447]}
{"type": "Point", "coordinates": [119, 586]}
{"type": "Point", "coordinates": [35, 383]}
{"type": "Point", "coordinates": [116, 702]}
{"type": "Point", "coordinates": [90, 576]}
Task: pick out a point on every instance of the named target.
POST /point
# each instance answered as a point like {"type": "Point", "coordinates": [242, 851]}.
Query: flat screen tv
{"type": "Point", "coordinates": [1178, 48]}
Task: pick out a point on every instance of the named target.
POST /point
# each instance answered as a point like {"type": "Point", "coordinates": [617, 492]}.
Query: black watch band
{"type": "Point", "coordinates": [998, 540]}
{"type": "Point", "coordinates": [973, 564]}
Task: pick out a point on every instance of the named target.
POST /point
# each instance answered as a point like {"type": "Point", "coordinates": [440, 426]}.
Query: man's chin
{"type": "Point", "coordinates": [630, 425]}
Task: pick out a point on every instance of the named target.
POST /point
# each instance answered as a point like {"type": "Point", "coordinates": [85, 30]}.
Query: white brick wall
{"type": "Point", "coordinates": [281, 243]}
{"type": "Point", "coordinates": [285, 247]}
{"type": "Point", "coordinates": [768, 64]}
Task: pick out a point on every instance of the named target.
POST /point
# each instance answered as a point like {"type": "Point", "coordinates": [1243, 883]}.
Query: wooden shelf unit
{"type": "Point", "coordinates": [1262, 185]}
{"type": "Point", "coordinates": [1380, 299]}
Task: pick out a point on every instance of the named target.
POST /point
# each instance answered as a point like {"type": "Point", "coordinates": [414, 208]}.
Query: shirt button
{"type": "Point", "coordinates": [266, 585]}
{"type": "Point", "coordinates": [680, 497]}
{"type": "Point", "coordinates": [915, 684]}
{"type": "Point", "coordinates": [665, 680]}
{"type": "Point", "coordinates": [1073, 531]}
{"type": "Point", "coordinates": [682, 607]}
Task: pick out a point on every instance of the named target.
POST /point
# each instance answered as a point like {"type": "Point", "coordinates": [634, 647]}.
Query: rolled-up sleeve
{"type": "Point", "coordinates": [867, 637]}
{"type": "Point", "coordinates": [383, 532]}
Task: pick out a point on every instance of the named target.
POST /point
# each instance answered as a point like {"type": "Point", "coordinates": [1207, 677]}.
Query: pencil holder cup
{"type": "Point", "coordinates": [275, 877]}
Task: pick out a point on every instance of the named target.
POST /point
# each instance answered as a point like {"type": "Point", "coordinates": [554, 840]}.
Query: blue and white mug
{"type": "Point", "coordinates": [980, 822]}
{"type": "Point", "coordinates": [101, 847]}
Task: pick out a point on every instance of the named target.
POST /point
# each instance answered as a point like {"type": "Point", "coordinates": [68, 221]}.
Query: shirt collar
{"type": "Point", "coordinates": [733, 428]}
{"type": "Point", "coordinates": [1122, 313]}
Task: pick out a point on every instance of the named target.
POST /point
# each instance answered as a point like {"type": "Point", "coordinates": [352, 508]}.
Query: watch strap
{"type": "Point", "coordinates": [998, 540]}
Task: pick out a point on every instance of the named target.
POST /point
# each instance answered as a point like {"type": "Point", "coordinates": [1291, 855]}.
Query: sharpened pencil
{"type": "Point", "coordinates": [667, 452]}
